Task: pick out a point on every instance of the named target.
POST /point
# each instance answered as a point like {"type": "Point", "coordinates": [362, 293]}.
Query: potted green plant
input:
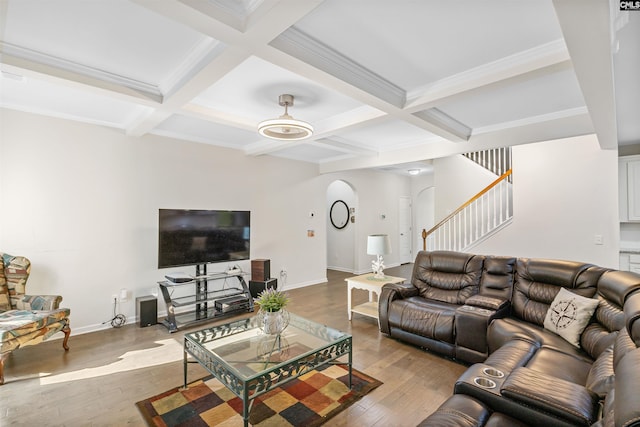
{"type": "Point", "coordinates": [272, 316]}
{"type": "Point", "coordinates": [272, 300]}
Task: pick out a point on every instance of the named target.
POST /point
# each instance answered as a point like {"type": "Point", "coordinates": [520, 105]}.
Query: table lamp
{"type": "Point", "coordinates": [378, 244]}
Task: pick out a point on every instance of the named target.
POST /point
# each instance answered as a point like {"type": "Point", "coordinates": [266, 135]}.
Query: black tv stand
{"type": "Point", "coordinates": [209, 302]}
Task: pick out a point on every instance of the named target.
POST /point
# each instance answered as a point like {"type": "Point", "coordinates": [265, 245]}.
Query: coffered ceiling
{"type": "Point", "coordinates": [382, 82]}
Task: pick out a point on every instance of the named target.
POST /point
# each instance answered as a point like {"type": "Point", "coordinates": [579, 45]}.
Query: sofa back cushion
{"type": "Point", "coordinates": [632, 317]}
{"type": "Point", "coordinates": [613, 289]}
{"type": "Point", "coordinates": [446, 276]}
{"type": "Point", "coordinates": [537, 282]}
{"type": "Point", "coordinates": [497, 277]}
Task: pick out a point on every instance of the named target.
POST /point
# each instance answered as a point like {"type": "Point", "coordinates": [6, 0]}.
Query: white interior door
{"type": "Point", "coordinates": [404, 226]}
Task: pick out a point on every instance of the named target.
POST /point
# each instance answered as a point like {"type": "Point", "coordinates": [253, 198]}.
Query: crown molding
{"type": "Point", "coordinates": [201, 55]}
{"type": "Point", "coordinates": [571, 112]}
{"type": "Point", "coordinates": [230, 12]}
{"type": "Point", "coordinates": [345, 146]}
{"type": "Point", "coordinates": [306, 48]}
{"type": "Point", "coordinates": [151, 91]}
{"type": "Point", "coordinates": [444, 121]}
{"type": "Point", "coordinates": [65, 116]}
{"type": "Point", "coordinates": [519, 63]}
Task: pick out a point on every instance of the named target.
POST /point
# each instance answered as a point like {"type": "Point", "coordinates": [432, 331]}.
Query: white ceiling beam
{"type": "Point", "coordinates": [496, 72]}
{"type": "Point", "coordinates": [195, 19]}
{"type": "Point", "coordinates": [346, 146]}
{"type": "Point", "coordinates": [296, 51]}
{"type": "Point", "coordinates": [274, 22]}
{"type": "Point", "coordinates": [53, 74]}
{"type": "Point", "coordinates": [557, 128]}
{"type": "Point", "coordinates": [350, 120]}
{"type": "Point", "coordinates": [280, 16]}
{"type": "Point", "coordinates": [216, 116]}
{"type": "Point", "coordinates": [200, 81]}
{"type": "Point", "coordinates": [586, 26]}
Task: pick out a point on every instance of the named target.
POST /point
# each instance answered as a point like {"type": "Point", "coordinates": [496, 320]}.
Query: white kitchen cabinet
{"type": "Point", "coordinates": [634, 263]}
{"type": "Point", "coordinates": [629, 183]}
{"type": "Point", "coordinates": [624, 262]}
{"type": "Point", "coordinates": [633, 190]}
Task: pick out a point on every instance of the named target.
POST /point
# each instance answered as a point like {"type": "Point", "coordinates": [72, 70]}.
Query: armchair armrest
{"type": "Point", "coordinates": [39, 302]}
{"type": "Point", "coordinates": [390, 292]}
{"type": "Point", "coordinates": [563, 399]}
{"type": "Point", "coordinates": [490, 303]}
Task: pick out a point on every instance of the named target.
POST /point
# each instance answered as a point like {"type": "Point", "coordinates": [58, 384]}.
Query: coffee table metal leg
{"type": "Point", "coordinates": [246, 406]}
{"type": "Point", "coordinates": [350, 362]}
{"type": "Point", "coordinates": [184, 364]}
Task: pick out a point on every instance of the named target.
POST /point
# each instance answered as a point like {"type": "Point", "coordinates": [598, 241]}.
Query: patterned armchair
{"type": "Point", "coordinates": [26, 319]}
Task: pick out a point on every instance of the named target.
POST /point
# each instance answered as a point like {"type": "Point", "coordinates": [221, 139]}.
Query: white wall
{"type": "Point", "coordinates": [81, 201]}
{"type": "Point", "coordinates": [564, 193]}
{"type": "Point", "coordinates": [457, 179]}
{"type": "Point", "coordinates": [378, 212]}
{"type": "Point", "coordinates": [423, 201]}
{"type": "Point", "coordinates": [341, 242]}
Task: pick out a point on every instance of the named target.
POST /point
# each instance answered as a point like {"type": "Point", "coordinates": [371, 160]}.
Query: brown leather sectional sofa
{"type": "Point", "coordinates": [504, 315]}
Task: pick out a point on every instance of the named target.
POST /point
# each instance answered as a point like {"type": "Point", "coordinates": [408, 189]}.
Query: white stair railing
{"type": "Point", "coordinates": [480, 217]}
{"type": "Point", "coordinates": [496, 160]}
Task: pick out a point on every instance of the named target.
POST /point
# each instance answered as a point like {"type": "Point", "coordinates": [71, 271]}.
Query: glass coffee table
{"type": "Point", "coordinates": [250, 363]}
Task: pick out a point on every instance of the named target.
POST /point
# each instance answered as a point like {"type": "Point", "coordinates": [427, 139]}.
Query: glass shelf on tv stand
{"type": "Point", "coordinates": [204, 300]}
{"type": "Point", "coordinates": [208, 297]}
{"type": "Point", "coordinates": [211, 276]}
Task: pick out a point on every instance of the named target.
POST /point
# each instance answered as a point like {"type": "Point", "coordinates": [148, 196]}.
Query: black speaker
{"type": "Point", "coordinates": [257, 286]}
{"type": "Point", "coordinates": [147, 310]}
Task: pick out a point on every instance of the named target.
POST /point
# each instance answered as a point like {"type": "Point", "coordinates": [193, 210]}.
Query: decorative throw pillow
{"type": "Point", "coordinates": [569, 314]}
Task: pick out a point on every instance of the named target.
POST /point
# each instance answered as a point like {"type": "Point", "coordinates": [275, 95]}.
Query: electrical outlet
{"type": "Point", "coordinates": [114, 297]}
{"type": "Point", "coordinates": [283, 272]}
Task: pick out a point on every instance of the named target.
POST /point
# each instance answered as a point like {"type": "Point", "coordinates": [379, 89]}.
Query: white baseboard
{"type": "Point", "coordinates": [162, 314]}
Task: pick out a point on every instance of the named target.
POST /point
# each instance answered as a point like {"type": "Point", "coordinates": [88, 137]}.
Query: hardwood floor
{"type": "Point", "coordinates": [92, 385]}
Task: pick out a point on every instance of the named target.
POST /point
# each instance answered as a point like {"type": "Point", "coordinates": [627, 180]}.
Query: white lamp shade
{"type": "Point", "coordinates": [378, 244]}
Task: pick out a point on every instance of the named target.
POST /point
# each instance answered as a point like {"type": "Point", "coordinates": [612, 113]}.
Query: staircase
{"type": "Point", "coordinates": [481, 216]}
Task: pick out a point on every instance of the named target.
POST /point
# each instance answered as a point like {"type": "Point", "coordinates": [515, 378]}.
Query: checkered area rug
{"type": "Point", "coordinates": [309, 400]}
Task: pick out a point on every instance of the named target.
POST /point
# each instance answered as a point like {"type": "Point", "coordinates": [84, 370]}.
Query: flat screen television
{"type": "Point", "coordinates": [194, 237]}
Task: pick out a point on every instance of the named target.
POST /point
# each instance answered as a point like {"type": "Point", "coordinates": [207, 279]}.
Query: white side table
{"type": "Point", "coordinates": [374, 286]}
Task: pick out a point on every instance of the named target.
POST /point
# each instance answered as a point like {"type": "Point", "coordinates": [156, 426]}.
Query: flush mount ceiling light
{"type": "Point", "coordinates": [285, 127]}
{"type": "Point", "coordinates": [413, 171]}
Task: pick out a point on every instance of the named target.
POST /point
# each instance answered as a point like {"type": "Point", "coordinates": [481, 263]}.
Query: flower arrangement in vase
{"type": "Point", "coordinates": [273, 316]}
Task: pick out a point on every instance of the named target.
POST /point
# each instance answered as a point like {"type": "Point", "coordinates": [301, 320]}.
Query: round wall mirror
{"type": "Point", "coordinates": [339, 214]}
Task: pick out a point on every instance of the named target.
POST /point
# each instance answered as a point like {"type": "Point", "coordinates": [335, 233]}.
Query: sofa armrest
{"type": "Point", "coordinates": [472, 323]}
{"type": "Point", "coordinates": [490, 303]}
{"type": "Point", "coordinates": [560, 398]}
{"type": "Point", "coordinates": [39, 302]}
{"type": "Point", "coordinates": [390, 292]}
{"type": "Point", "coordinates": [400, 290]}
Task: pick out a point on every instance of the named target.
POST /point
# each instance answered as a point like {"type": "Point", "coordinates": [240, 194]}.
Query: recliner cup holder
{"type": "Point", "coordinates": [484, 382]}
{"type": "Point", "coordinates": [492, 372]}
